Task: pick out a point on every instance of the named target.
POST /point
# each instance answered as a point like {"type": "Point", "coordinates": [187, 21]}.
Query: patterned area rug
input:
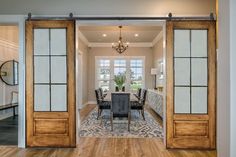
{"type": "Point", "coordinates": [91, 127]}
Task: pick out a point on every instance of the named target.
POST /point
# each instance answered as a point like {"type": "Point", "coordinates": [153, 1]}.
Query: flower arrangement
{"type": "Point", "coordinates": [120, 80]}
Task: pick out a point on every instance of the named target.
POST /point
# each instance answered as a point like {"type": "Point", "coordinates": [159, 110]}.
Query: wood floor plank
{"type": "Point", "coordinates": [107, 147]}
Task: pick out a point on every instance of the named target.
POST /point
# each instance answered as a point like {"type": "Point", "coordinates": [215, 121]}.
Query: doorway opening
{"type": "Point", "coordinates": [143, 67]}
{"type": "Point", "coordinates": [9, 56]}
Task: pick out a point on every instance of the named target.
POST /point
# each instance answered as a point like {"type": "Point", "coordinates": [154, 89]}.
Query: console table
{"type": "Point", "coordinates": [155, 101]}
{"type": "Point", "coordinates": [8, 106]}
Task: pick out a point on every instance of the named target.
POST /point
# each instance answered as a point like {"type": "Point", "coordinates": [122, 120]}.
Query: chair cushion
{"type": "Point", "coordinates": [105, 105]}
{"type": "Point", "coordinates": [136, 105]}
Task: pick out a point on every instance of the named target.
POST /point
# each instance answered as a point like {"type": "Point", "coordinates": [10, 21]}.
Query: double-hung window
{"type": "Point", "coordinates": [104, 74]}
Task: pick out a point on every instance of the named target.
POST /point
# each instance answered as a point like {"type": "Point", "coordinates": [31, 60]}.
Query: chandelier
{"type": "Point", "coordinates": [120, 47]}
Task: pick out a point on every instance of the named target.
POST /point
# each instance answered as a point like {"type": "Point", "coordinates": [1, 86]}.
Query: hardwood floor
{"type": "Point", "coordinates": [107, 147]}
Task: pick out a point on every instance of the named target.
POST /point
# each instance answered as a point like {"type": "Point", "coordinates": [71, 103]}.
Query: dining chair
{"type": "Point", "coordinates": [103, 95]}
{"type": "Point", "coordinates": [138, 93]}
{"type": "Point", "coordinates": [102, 105]}
{"type": "Point", "coordinates": [120, 107]}
{"type": "Point", "coordinates": [139, 105]}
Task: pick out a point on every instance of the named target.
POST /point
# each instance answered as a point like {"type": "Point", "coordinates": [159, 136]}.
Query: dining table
{"type": "Point", "coordinates": [132, 97]}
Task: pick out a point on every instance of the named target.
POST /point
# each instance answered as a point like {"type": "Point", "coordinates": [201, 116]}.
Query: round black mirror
{"type": "Point", "coordinates": [9, 72]}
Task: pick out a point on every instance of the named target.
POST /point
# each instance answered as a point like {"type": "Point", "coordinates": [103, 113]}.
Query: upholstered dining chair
{"type": "Point", "coordinates": [139, 105]}
{"type": "Point", "coordinates": [103, 95]}
{"type": "Point", "coordinates": [102, 105]}
{"type": "Point", "coordinates": [138, 94]}
{"type": "Point", "coordinates": [120, 107]}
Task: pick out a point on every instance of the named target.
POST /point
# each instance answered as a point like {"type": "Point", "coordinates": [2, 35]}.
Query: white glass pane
{"type": "Point", "coordinates": [41, 69]}
{"type": "Point", "coordinates": [182, 71]}
{"type": "Point", "coordinates": [58, 98]}
{"type": "Point", "coordinates": [182, 100]}
{"type": "Point", "coordinates": [104, 85]}
{"type": "Point", "coordinates": [199, 71]}
{"type": "Point", "coordinates": [136, 63]}
{"type": "Point", "coordinates": [199, 43]}
{"type": "Point", "coordinates": [41, 98]}
{"type": "Point", "coordinates": [118, 71]}
{"type": "Point", "coordinates": [182, 43]}
{"type": "Point", "coordinates": [58, 41]}
{"type": "Point", "coordinates": [199, 100]}
{"type": "Point", "coordinates": [41, 41]}
{"type": "Point", "coordinates": [58, 69]}
{"type": "Point", "coordinates": [104, 63]}
{"type": "Point", "coordinates": [104, 73]}
{"type": "Point", "coordinates": [119, 62]}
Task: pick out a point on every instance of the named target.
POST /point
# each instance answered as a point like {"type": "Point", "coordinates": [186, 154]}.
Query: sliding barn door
{"type": "Point", "coordinates": [191, 84]}
{"type": "Point", "coordinates": [50, 84]}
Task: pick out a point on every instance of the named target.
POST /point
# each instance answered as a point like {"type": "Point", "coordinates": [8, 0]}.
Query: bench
{"type": "Point", "coordinates": [8, 106]}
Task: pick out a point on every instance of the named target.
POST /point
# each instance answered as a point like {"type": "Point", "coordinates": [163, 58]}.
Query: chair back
{"type": "Point", "coordinates": [139, 92]}
{"type": "Point", "coordinates": [120, 104]}
{"type": "Point", "coordinates": [101, 91]}
{"type": "Point", "coordinates": [98, 96]}
{"type": "Point", "coordinates": [143, 96]}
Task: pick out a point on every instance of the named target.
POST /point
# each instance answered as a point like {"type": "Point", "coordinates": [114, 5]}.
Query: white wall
{"type": "Point", "coordinates": [9, 46]}
{"type": "Point", "coordinates": [233, 78]}
{"type": "Point", "coordinates": [107, 7]}
{"type": "Point", "coordinates": [226, 126]}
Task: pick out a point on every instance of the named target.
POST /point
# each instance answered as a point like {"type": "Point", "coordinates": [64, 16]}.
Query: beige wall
{"type": "Point", "coordinates": [157, 56]}
{"type": "Point", "coordinates": [147, 52]}
{"type": "Point", "coordinates": [157, 51]}
{"type": "Point", "coordinates": [83, 51]}
{"type": "Point", "coordinates": [108, 7]}
{"type": "Point", "coordinates": [8, 51]}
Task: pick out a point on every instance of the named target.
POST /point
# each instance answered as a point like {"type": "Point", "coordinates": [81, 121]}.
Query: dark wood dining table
{"type": "Point", "coordinates": [132, 97]}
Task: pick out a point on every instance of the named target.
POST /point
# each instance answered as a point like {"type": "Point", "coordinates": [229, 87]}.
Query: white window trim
{"type": "Point", "coordinates": [112, 58]}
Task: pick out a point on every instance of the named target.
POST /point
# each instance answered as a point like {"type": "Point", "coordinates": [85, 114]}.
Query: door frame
{"type": "Point", "coordinates": [19, 20]}
{"type": "Point", "coordinates": [161, 23]}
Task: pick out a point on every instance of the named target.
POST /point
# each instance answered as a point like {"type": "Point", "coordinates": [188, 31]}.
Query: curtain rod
{"type": "Point", "coordinates": [169, 17]}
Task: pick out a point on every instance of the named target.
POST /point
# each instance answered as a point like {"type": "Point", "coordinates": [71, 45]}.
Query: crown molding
{"type": "Point", "coordinates": [83, 38]}
{"type": "Point", "coordinates": [143, 44]}
{"type": "Point", "coordinates": [8, 44]}
{"type": "Point", "coordinates": [137, 44]}
{"type": "Point", "coordinates": [157, 38]}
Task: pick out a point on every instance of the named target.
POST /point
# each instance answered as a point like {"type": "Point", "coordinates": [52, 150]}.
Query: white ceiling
{"type": "Point", "coordinates": [94, 34]}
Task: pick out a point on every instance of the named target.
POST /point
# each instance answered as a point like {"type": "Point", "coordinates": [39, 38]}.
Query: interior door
{"type": "Point", "coordinates": [191, 84]}
{"type": "Point", "coordinates": [50, 84]}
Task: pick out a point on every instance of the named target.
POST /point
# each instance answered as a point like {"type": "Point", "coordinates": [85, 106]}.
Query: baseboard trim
{"type": "Point", "coordinates": [87, 103]}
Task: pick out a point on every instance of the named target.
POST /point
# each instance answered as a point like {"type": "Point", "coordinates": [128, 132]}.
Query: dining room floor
{"type": "Point", "coordinates": [139, 128]}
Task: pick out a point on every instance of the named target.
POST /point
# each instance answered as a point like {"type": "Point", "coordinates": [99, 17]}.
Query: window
{"type": "Point", "coordinates": [132, 67]}
{"type": "Point", "coordinates": [119, 66]}
{"type": "Point", "coordinates": [136, 75]}
{"type": "Point", "coordinates": [103, 76]}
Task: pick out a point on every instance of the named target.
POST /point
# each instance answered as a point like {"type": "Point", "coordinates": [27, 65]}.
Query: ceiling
{"type": "Point", "coordinates": [94, 34]}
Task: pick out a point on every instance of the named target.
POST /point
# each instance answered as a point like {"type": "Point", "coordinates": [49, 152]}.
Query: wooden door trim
{"type": "Point", "coordinates": [30, 138]}
{"type": "Point", "coordinates": [211, 116]}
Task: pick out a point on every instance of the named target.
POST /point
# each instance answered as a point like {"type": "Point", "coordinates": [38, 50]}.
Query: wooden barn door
{"type": "Point", "coordinates": [191, 84]}
{"type": "Point", "coordinates": [50, 84]}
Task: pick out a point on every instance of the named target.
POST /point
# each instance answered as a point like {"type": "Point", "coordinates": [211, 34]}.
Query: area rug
{"type": "Point", "coordinates": [91, 127]}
